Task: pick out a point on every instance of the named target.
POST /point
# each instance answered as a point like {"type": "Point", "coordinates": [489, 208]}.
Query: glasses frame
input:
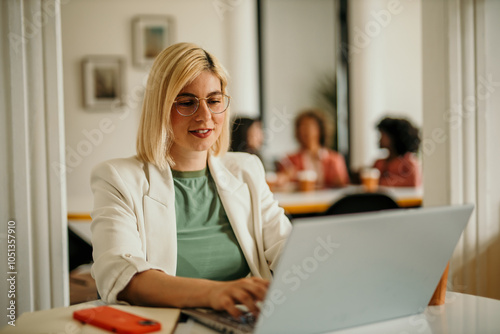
{"type": "Point", "coordinates": [198, 105]}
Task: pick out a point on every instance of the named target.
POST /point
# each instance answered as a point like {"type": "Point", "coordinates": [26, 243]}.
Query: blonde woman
{"type": "Point", "coordinates": [183, 223]}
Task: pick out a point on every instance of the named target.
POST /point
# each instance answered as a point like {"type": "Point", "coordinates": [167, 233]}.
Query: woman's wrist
{"type": "Point", "coordinates": [198, 292]}
{"type": "Point", "coordinates": [206, 295]}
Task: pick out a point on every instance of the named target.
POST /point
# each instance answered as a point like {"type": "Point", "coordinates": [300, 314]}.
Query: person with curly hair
{"type": "Point", "coordinates": [313, 132]}
{"type": "Point", "coordinates": [402, 140]}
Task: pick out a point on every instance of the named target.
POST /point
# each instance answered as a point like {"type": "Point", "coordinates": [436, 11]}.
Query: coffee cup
{"type": "Point", "coordinates": [307, 180]}
{"type": "Point", "coordinates": [370, 178]}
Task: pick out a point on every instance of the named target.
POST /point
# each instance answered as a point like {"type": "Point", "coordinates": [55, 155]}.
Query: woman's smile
{"type": "Point", "coordinates": [201, 133]}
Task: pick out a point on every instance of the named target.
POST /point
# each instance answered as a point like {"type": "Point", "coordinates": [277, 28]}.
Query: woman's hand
{"type": "Point", "coordinates": [246, 291]}
{"type": "Point", "coordinates": [180, 292]}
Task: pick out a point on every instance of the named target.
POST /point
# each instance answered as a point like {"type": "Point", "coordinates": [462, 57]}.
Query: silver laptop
{"type": "Point", "coordinates": [343, 271]}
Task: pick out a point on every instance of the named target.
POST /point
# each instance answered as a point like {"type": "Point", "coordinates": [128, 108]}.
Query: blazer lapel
{"type": "Point", "coordinates": [236, 200]}
{"type": "Point", "coordinates": [159, 220]}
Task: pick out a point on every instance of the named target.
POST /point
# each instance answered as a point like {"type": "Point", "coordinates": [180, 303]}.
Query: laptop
{"type": "Point", "coordinates": [348, 270]}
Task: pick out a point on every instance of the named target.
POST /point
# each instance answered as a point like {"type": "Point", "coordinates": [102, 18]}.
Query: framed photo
{"type": "Point", "coordinates": [151, 34]}
{"type": "Point", "coordinates": [103, 82]}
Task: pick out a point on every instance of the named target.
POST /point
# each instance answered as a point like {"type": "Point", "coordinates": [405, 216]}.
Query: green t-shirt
{"type": "Point", "coordinates": [206, 243]}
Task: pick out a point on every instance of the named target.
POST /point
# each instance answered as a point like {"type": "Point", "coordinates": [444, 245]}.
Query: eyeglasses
{"type": "Point", "coordinates": [188, 105]}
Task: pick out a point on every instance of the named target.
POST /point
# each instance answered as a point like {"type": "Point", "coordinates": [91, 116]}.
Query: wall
{"type": "Point", "coordinates": [299, 50]}
{"type": "Point", "coordinates": [103, 27]}
{"type": "Point", "coordinates": [385, 69]}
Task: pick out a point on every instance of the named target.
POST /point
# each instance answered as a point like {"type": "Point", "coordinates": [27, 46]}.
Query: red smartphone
{"type": "Point", "coordinates": [116, 321]}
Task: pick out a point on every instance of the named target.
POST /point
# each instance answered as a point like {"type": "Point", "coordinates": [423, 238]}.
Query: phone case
{"type": "Point", "coordinates": [116, 321]}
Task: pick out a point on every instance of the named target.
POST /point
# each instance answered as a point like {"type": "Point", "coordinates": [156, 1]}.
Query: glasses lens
{"type": "Point", "coordinates": [186, 105]}
{"type": "Point", "coordinates": [218, 103]}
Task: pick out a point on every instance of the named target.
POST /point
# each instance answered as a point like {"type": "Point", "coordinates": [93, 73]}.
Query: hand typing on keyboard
{"type": "Point", "coordinates": [231, 296]}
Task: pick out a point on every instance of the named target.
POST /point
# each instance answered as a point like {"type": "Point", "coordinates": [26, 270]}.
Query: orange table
{"type": "Point", "coordinates": [320, 200]}
{"type": "Point", "coordinates": [296, 202]}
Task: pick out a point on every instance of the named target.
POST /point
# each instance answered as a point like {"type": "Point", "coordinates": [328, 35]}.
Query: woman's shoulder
{"type": "Point", "coordinates": [410, 160]}
{"type": "Point", "coordinates": [242, 166]}
{"type": "Point", "coordinates": [380, 162]}
{"type": "Point", "coordinates": [129, 163]}
{"type": "Point", "coordinates": [238, 160]}
{"type": "Point", "coordinates": [295, 157]}
{"type": "Point", "coordinates": [125, 168]}
{"type": "Point", "coordinates": [410, 156]}
{"type": "Point", "coordinates": [334, 155]}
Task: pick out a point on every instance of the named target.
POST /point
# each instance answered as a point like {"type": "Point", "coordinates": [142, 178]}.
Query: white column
{"type": "Point", "coordinates": [385, 70]}
{"type": "Point", "coordinates": [365, 71]}
{"type": "Point", "coordinates": [241, 33]}
{"type": "Point", "coordinates": [32, 195]}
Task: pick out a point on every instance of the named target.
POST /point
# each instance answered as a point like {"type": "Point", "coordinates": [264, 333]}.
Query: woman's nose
{"type": "Point", "coordinates": [203, 111]}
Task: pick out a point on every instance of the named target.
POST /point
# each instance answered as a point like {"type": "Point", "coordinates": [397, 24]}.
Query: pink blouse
{"type": "Point", "coordinates": [332, 169]}
{"type": "Point", "coordinates": [403, 171]}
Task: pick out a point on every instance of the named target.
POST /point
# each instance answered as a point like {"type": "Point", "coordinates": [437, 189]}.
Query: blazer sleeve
{"type": "Point", "coordinates": [118, 247]}
{"type": "Point", "coordinates": [275, 224]}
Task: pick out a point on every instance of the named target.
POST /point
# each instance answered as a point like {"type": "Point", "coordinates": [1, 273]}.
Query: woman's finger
{"type": "Point", "coordinates": [246, 299]}
{"type": "Point", "coordinates": [258, 288]}
{"type": "Point", "coordinates": [227, 304]}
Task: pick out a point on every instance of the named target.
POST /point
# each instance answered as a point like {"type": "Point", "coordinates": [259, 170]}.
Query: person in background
{"type": "Point", "coordinates": [247, 136]}
{"type": "Point", "coordinates": [313, 132]}
{"type": "Point", "coordinates": [401, 167]}
{"type": "Point", "coordinates": [183, 223]}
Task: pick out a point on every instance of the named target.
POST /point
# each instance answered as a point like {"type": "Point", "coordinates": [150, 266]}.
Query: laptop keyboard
{"type": "Point", "coordinates": [222, 321]}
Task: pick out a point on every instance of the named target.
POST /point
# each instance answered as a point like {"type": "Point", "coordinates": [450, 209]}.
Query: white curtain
{"type": "Point", "coordinates": [461, 124]}
{"type": "Point", "coordinates": [32, 193]}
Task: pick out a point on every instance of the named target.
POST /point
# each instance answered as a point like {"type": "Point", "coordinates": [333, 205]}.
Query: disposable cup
{"type": "Point", "coordinates": [307, 180]}
{"type": "Point", "coordinates": [370, 178]}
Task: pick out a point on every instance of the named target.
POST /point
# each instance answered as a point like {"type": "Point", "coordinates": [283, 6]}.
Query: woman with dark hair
{"type": "Point", "coordinates": [313, 132]}
{"type": "Point", "coordinates": [247, 136]}
{"type": "Point", "coordinates": [402, 140]}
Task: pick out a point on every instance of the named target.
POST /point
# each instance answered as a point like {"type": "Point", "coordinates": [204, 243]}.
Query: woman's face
{"type": "Point", "coordinates": [255, 136]}
{"type": "Point", "coordinates": [309, 133]}
{"type": "Point", "coordinates": [197, 133]}
{"type": "Point", "coordinates": [385, 141]}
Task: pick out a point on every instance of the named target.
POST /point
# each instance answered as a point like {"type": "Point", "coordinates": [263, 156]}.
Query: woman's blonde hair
{"type": "Point", "coordinates": [173, 69]}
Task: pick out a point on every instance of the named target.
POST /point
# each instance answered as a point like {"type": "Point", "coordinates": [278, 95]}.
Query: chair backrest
{"type": "Point", "coordinates": [363, 202]}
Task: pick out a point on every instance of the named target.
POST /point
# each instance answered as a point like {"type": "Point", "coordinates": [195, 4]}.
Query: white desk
{"type": "Point", "coordinates": [462, 314]}
{"type": "Point", "coordinates": [320, 200]}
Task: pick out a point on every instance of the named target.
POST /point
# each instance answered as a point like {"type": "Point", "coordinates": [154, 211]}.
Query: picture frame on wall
{"type": "Point", "coordinates": [151, 34]}
{"type": "Point", "coordinates": [103, 82]}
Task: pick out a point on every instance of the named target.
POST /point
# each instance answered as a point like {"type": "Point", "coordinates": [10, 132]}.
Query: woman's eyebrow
{"type": "Point", "coordinates": [191, 94]}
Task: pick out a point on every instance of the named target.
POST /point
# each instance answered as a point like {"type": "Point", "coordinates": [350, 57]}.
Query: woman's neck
{"type": "Point", "coordinates": [188, 161]}
{"type": "Point", "coordinates": [392, 155]}
{"type": "Point", "coordinates": [313, 149]}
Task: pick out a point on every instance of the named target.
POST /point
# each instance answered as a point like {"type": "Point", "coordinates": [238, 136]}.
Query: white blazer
{"type": "Point", "coordinates": [134, 225]}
